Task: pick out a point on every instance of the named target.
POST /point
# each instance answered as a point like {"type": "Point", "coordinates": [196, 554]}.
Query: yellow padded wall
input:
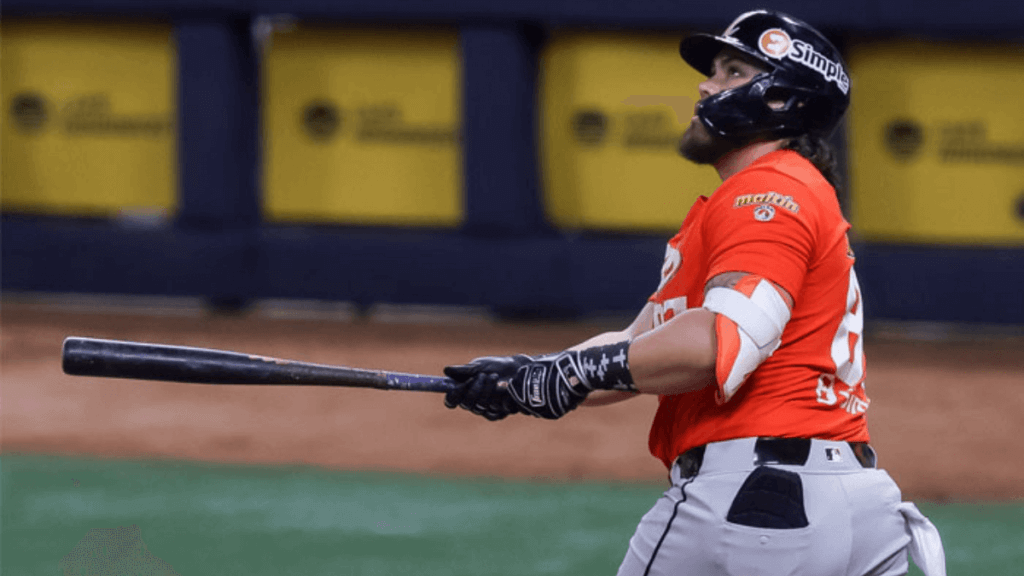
{"type": "Point", "coordinates": [937, 143]}
{"type": "Point", "coordinates": [613, 108]}
{"type": "Point", "coordinates": [361, 126]}
{"type": "Point", "coordinates": [88, 123]}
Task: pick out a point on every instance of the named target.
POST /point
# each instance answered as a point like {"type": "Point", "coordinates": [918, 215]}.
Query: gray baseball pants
{"type": "Point", "coordinates": [840, 518]}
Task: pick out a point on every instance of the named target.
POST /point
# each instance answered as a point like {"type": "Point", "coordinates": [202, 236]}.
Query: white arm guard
{"type": "Point", "coordinates": [751, 317]}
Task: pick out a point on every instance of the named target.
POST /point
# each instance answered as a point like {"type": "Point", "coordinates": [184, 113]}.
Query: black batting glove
{"type": "Point", "coordinates": [483, 386]}
{"type": "Point", "coordinates": [552, 386]}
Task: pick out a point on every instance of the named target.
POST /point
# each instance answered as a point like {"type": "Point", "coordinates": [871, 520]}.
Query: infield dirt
{"type": "Point", "coordinates": [945, 415]}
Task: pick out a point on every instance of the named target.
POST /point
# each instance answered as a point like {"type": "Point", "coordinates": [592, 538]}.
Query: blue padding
{"type": "Point", "coordinates": [499, 131]}
{"type": "Point", "coordinates": [549, 275]}
{"type": "Point", "coordinates": [130, 7]}
{"type": "Point", "coordinates": [67, 255]}
{"type": "Point", "coordinates": [980, 18]}
{"type": "Point", "coordinates": [901, 16]}
{"type": "Point", "coordinates": [218, 123]}
{"type": "Point", "coordinates": [562, 275]}
{"type": "Point", "coordinates": [526, 277]}
{"type": "Point", "coordinates": [945, 284]}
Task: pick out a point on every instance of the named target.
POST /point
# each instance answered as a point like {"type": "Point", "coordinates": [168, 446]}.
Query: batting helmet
{"type": "Point", "coordinates": [805, 73]}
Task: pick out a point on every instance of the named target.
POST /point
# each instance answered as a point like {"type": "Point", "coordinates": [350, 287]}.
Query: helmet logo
{"type": "Point", "coordinates": [774, 42]}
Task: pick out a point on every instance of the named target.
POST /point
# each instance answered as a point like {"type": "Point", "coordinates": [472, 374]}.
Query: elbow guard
{"type": "Point", "coordinates": [751, 317]}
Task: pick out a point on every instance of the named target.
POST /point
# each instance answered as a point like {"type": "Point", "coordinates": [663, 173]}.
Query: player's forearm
{"type": "Point", "coordinates": [606, 397]}
{"type": "Point", "coordinates": [602, 339]}
{"type": "Point", "coordinates": [677, 357]}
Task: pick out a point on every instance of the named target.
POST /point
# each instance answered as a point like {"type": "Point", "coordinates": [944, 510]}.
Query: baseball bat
{"type": "Point", "coordinates": [146, 361]}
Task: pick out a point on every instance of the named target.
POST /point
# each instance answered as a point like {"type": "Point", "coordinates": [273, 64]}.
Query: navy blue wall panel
{"type": "Point", "coordinates": [218, 123]}
{"type": "Point", "coordinates": [70, 255]}
{"type": "Point", "coordinates": [129, 7]}
{"type": "Point", "coordinates": [947, 16]}
{"type": "Point", "coordinates": [954, 284]}
{"type": "Point", "coordinates": [499, 124]}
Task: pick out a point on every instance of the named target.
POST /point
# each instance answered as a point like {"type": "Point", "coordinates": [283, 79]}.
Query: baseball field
{"type": "Point", "coordinates": [125, 477]}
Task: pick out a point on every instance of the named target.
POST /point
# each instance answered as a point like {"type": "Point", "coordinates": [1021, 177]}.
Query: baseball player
{"type": "Point", "coordinates": [752, 340]}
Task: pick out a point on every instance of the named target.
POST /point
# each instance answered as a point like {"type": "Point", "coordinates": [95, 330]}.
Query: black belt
{"type": "Point", "coordinates": [786, 451]}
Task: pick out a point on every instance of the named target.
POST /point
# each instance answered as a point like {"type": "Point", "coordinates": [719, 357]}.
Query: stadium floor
{"type": "Point", "coordinates": [168, 517]}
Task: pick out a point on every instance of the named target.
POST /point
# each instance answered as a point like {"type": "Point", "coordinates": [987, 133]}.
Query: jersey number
{"type": "Point", "coordinates": [848, 356]}
{"type": "Point", "coordinates": [669, 309]}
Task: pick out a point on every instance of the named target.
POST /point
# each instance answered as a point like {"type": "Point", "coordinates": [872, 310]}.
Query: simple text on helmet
{"type": "Point", "coordinates": [776, 43]}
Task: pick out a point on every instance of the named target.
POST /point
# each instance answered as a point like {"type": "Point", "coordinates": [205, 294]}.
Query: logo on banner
{"type": "Point", "coordinates": [589, 126]}
{"type": "Point", "coordinates": [647, 130]}
{"type": "Point", "coordinates": [955, 142]}
{"type": "Point", "coordinates": [86, 115]}
{"type": "Point", "coordinates": [29, 111]}
{"type": "Point", "coordinates": [904, 138]}
{"type": "Point", "coordinates": [383, 122]}
{"type": "Point", "coordinates": [93, 115]}
{"type": "Point", "coordinates": [321, 119]}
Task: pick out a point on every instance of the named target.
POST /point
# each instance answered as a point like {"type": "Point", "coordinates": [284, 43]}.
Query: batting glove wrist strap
{"type": "Point", "coordinates": [607, 367]}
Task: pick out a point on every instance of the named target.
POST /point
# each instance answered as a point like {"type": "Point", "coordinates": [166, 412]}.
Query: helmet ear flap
{"type": "Point", "coordinates": [816, 113]}
{"type": "Point", "coordinates": [782, 99]}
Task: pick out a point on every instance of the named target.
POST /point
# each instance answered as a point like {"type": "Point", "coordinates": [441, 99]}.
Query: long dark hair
{"type": "Point", "coordinates": [822, 154]}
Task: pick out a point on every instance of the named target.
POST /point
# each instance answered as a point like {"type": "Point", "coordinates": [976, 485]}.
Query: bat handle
{"type": "Point", "coordinates": [419, 382]}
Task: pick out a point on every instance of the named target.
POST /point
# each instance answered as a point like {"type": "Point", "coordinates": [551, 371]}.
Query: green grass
{"type": "Point", "coordinates": [979, 538]}
{"type": "Point", "coordinates": [223, 520]}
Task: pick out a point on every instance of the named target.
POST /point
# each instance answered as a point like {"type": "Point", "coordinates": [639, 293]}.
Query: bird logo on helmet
{"type": "Point", "coordinates": [805, 76]}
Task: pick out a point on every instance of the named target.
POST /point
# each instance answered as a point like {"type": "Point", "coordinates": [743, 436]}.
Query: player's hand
{"type": "Point", "coordinates": [483, 385]}
{"type": "Point", "coordinates": [551, 386]}
{"type": "Point", "coordinates": [547, 386]}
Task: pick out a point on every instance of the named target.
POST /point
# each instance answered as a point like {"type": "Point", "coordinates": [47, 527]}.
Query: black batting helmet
{"type": "Point", "coordinates": [805, 72]}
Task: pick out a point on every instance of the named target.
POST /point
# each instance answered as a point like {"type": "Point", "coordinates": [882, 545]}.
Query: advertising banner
{"type": "Point", "coordinates": [937, 143]}
{"type": "Point", "coordinates": [613, 109]}
{"type": "Point", "coordinates": [88, 123]}
{"type": "Point", "coordinates": [361, 126]}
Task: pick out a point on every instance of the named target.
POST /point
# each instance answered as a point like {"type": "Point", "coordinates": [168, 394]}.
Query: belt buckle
{"type": "Point", "coordinates": [791, 451]}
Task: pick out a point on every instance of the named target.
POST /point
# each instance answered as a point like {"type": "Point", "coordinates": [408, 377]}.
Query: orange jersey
{"type": "Point", "coordinates": [779, 219]}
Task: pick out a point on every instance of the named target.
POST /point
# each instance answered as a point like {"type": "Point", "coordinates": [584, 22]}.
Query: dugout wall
{"type": "Point", "coordinates": [520, 188]}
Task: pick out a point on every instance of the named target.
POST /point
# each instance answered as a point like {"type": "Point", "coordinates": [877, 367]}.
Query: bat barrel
{"type": "Point", "coordinates": [143, 361]}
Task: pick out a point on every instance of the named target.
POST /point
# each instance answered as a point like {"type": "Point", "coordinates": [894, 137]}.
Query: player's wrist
{"type": "Point", "coordinates": [606, 367]}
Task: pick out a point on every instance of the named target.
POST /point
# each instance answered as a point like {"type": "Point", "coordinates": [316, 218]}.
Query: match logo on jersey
{"type": "Point", "coordinates": [767, 199]}
{"type": "Point", "coordinates": [764, 213]}
{"type": "Point", "coordinates": [776, 43]}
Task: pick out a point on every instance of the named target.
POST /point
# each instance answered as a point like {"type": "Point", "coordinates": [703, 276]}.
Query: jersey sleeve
{"type": "Point", "coordinates": [762, 224]}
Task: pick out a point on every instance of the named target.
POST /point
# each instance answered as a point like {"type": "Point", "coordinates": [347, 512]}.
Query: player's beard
{"type": "Point", "coordinates": [702, 147]}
